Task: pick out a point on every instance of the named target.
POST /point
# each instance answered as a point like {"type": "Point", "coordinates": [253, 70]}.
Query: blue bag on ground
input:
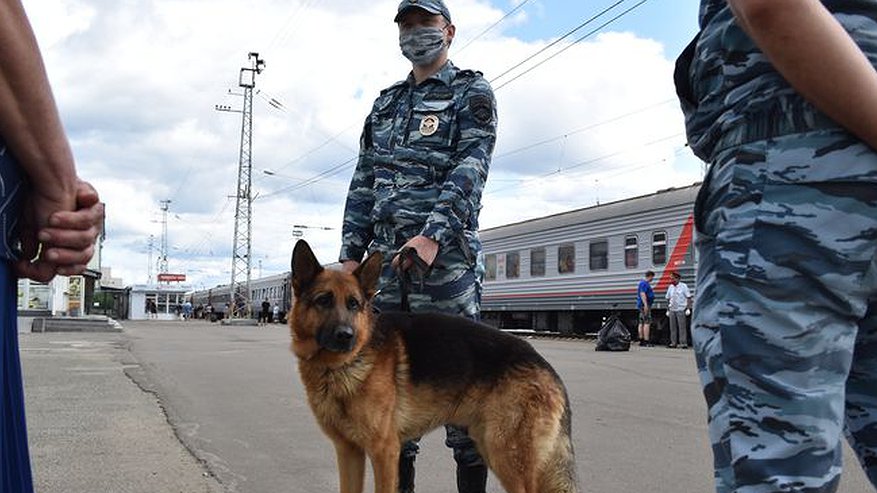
{"type": "Point", "coordinates": [613, 336]}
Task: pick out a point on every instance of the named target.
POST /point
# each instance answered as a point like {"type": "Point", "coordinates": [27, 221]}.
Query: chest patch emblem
{"type": "Point", "coordinates": [429, 125]}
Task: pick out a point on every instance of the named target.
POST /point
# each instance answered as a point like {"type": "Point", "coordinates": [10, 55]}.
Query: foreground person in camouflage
{"type": "Point", "coordinates": [780, 98]}
{"type": "Point", "coordinates": [424, 156]}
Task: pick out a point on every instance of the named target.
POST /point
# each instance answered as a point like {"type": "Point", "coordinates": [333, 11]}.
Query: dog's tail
{"type": "Point", "coordinates": [559, 474]}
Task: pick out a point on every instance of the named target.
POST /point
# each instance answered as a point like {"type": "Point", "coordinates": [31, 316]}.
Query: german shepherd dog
{"type": "Point", "coordinates": [374, 380]}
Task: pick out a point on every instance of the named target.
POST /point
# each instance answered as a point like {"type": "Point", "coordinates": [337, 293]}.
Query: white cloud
{"type": "Point", "coordinates": [137, 82]}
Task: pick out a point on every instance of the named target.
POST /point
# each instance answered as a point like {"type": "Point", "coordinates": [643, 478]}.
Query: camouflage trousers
{"type": "Point", "coordinates": [452, 286]}
{"type": "Point", "coordinates": [785, 326]}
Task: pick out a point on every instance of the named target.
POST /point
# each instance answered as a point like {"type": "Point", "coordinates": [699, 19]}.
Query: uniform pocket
{"type": "Point", "coordinates": [432, 125]}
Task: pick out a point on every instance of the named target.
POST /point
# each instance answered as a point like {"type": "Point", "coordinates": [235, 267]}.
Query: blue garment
{"type": "Point", "coordinates": [15, 473]}
{"type": "Point", "coordinates": [644, 287]}
{"type": "Point", "coordinates": [785, 322]}
{"type": "Point", "coordinates": [11, 189]}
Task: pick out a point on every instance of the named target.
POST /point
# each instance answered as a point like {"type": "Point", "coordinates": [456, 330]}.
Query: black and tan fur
{"type": "Point", "coordinates": [375, 380]}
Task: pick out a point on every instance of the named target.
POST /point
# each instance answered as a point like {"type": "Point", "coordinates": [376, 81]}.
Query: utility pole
{"type": "Point", "coordinates": [149, 264]}
{"type": "Point", "coordinates": [241, 264]}
{"type": "Point", "coordinates": [162, 263]}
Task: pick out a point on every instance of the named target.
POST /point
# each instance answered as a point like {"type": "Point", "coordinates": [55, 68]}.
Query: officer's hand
{"type": "Point", "coordinates": [426, 249]}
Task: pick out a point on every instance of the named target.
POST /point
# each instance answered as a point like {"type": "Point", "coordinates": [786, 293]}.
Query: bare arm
{"type": "Point", "coordinates": [817, 57]}
{"type": "Point", "coordinates": [31, 127]}
{"type": "Point", "coordinates": [29, 120]}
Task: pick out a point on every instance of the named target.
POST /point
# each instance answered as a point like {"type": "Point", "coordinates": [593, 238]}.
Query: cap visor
{"type": "Point", "coordinates": [406, 9]}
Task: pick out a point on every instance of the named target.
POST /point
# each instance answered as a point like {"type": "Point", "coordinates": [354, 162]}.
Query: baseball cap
{"type": "Point", "coordinates": [431, 6]}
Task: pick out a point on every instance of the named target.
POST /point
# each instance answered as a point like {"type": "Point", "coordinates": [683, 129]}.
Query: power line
{"type": "Point", "coordinates": [558, 40]}
{"type": "Point", "coordinates": [342, 166]}
{"type": "Point", "coordinates": [288, 24]}
{"type": "Point", "coordinates": [482, 33]}
{"type": "Point", "coordinates": [591, 33]}
{"type": "Point", "coordinates": [331, 139]}
{"type": "Point", "coordinates": [582, 129]}
{"type": "Point", "coordinates": [274, 102]}
{"type": "Point", "coordinates": [334, 170]}
{"type": "Point", "coordinates": [580, 164]}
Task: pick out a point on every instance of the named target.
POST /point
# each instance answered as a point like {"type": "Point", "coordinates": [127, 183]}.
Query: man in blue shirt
{"type": "Point", "coordinates": [645, 296]}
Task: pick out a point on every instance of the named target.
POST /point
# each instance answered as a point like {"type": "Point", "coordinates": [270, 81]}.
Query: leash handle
{"type": "Point", "coordinates": [417, 265]}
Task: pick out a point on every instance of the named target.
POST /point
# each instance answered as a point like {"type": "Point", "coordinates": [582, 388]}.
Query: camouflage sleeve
{"type": "Point", "coordinates": [356, 231]}
{"type": "Point", "coordinates": [460, 197]}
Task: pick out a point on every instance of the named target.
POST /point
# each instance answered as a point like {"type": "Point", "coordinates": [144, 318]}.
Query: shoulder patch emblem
{"type": "Point", "coordinates": [482, 108]}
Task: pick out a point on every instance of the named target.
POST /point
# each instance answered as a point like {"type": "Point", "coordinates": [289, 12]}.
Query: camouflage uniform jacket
{"type": "Point", "coordinates": [424, 156]}
{"type": "Point", "coordinates": [735, 95]}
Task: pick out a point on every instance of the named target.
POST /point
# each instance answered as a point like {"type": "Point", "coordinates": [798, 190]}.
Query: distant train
{"type": "Point", "coordinates": [561, 273]}
{"type": "Point", "coordinates": [276, 289]}
{"type": "Point", "coordinates": [566, 272]}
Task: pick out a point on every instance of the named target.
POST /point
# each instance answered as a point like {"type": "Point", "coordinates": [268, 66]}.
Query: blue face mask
{"type": "Point", "coordinates": [422, 45]}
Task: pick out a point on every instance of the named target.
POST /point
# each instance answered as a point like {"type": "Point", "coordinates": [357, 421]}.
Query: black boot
{"type": "Point", "coordinates": [471, 478]}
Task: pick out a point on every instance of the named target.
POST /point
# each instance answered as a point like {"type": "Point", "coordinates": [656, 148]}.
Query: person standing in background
{"type": "Point", "coordinates": [678, 308]}
{"type": "Point", "coordinates": [645, 297]}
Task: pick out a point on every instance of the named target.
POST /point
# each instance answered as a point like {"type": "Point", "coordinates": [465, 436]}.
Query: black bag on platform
{"type": "Point", "coordinates": [613, 336]}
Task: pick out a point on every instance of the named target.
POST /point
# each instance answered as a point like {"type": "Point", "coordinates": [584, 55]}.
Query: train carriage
{"type": "Point", "coordinates": [276, 289]}
{"type": "Point", "coordinates": [566, 272]}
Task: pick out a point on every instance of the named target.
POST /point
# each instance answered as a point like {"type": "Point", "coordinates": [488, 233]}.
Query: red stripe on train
{"type": "Point", "coordinates": [677, 258]}
{"type": "Point", "coordinates": [676, 261]}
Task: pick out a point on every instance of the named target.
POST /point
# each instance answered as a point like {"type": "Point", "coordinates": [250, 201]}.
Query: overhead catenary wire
{"type": "Point", "coordinates": [490, 28]}
{"type": "Point", "coordinates": [338, 168]}
{"type": "Point", "coordinates": [590, 20]}
{"type": "Point", "coordinates": [582, 129]}
{"type": "Point", "coordinates": [589, 34]}
{"type": "Point", "coordinates": [580, 164]}
{"type": "Point", "coordinates": [287, 26]}
{"type": "Point", "coordinates": [558, 40]}
{"type": "Point", "coordinates": [334, 170]}
{"type": "Point", "coordinates": [334, 138]}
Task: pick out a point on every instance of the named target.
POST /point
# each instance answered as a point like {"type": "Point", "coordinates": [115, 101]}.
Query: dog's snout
{"type": "Point", "coordinates": [344, 333]}
{"type": "Point", "coordinates": [338, 339]}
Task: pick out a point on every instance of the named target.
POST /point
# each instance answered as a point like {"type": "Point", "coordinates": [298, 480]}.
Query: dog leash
{"type": "Point", "coordinates": [417, 265]}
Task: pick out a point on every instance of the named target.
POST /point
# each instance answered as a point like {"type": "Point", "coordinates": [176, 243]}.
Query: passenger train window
{"type": "Point", "coordinates": [631, 252]}
{"type": "Point", "coordinates": [566, 258]}
{"type": "Point", "coordinates": [598, 255]}
{"type": "Point", "coordinates": [512, 265]}
{"type": "Point", "coordinates": [659, 248]}
{"type": "Point", "coordinates": [490, 267]}
{"type": "Point", "coordinates": [537, 262]}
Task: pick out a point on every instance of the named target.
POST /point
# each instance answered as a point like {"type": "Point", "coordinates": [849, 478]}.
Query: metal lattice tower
{"type": "Point", "coordinates": [162, 259]}
{"type": "Point", "coordinates": [241, 264]}
{"type": "Point", "coordinates": [149, 262]}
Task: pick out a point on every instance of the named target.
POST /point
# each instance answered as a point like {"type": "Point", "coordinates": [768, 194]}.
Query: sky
{"type": "Point", "coordinates": [591, 119]}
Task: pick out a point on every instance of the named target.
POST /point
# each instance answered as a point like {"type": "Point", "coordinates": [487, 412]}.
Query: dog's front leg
{"type": "Point", "coordinates": [385, 462]}
{"type": "Point", "coordinates": [351, 466]}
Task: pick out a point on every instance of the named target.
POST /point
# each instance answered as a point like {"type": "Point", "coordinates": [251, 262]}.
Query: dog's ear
{"type": "Point", "coordinates": [305, 266]}
{"type": "Point", "coordinates": [368, 273]}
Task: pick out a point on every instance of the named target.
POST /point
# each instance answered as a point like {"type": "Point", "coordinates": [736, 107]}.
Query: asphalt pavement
{"type": "Point", "coordinates": [197, 407]}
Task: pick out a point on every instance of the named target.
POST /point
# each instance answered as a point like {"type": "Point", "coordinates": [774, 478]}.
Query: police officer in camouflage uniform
{"type": "Point", "coordinates": [780, 98]}
{"type": "Point", "coordinates": [424, 157]}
